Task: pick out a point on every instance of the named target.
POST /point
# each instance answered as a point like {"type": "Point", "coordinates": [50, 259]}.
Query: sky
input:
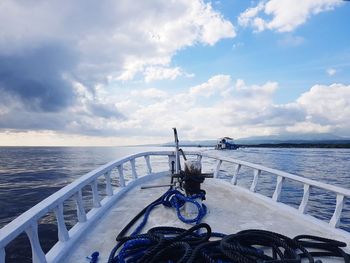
{"type": "Point", "coordinates": [120, 72]}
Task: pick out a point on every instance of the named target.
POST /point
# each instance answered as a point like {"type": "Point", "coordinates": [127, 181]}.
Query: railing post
{"type": "Point", "coordinates": [304, 201]}
{"type": "Point", "coordinates": [121, 175]}
{"type": "Point", "coordinates": [109, 190]}
{"type": "Point", "coordinates": [61, 226]}
{"type": "Point", "coordinates": [277, 194]}
{"type": "Point", "coordinates": [235, 174]}
{"type": "Point", "coordinates": [148, 162]}
{"type": "Point", "coordinates": [80, 207]}
{"type": "Point", "coordinates": [95, 195]}
{"type": "Point", "coordinates": [335, 220]}
{"type": "Point", "coordinates": [133, 168]}
{"type": "Point", "coordinates": [255, 180]}
{"type": "Point", "coordinates": [217, 169]}
{"type": "Point", "coordinates": [2, 255]}
{"type": "Point", "coordinates": [38, 255]}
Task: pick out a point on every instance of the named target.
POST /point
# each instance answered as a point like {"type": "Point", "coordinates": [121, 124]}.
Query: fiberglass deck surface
{"type": "Point", "coordinates": [230, 209]}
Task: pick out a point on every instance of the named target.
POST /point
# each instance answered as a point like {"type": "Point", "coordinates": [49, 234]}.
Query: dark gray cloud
{"type": "Point", "coordinates": [24, 120]}
{"type": "Point", "coordinates": [106, 111]}
{"type": "Point", "coordinates": [65, 121]}
{"type": "Point", "coordinates": [87, 129]}
{"type": "Point", "coordinates": [58, 57]}
{"type": "Point", "coordinates": [36, 77]}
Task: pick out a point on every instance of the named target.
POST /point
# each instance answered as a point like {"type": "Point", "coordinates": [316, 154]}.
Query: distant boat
{"type": "Point", "coordinates": [226, 143]}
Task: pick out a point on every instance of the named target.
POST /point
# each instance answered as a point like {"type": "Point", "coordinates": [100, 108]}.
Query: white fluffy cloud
{"type": "Point", "coordinates": [151, 93]}
{"type": "Point", "coordinates": [159, 73]}
{"type": "Point", "coordinates": [55, 57]}
{"type": "Point", "coordinates": [112, 39]}
{"type": "Point", "coordinates": [327, 104]}
{"type": "Point", "coordinates": [218, 83]}
{"type": "Point", "coordinates": [283, 15]}
{"type": "Point", "coordinates": [231, 107]}
{"type": "Point", "coordinates": [331, 71]}
{"type": "Point", "coordinates": [237, 109]}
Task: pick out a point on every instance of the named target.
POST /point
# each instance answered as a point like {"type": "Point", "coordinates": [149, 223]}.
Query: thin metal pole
{"type": "Point", "coordinates": [177, 161]}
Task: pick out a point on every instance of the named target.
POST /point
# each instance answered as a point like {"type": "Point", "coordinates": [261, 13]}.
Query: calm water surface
{"type": "Point", "coordinates": [30, 174]}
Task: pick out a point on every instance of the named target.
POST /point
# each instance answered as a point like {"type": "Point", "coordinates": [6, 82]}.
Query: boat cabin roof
{"type": "Point", "coordinates": [226, 138]}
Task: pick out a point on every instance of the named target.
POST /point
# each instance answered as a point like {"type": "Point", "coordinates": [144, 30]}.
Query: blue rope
{"type": "Point", "coordinates": [94, 257]}
{"type": "Point", "coordinates": [145, 218]}
{"type": "Point", "coordinates": [175, 199]}
{"type": "Point", "coordinates": [178, 200]}
{"type": "Point", "coordinates": [133, 249]}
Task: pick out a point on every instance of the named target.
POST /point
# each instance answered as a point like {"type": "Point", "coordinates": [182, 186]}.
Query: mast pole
{"type": "Point", "coordinates": [177, 156]}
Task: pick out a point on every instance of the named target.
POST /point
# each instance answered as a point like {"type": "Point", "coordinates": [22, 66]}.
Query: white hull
{"type": "Point", "coordinates": [230, 209]}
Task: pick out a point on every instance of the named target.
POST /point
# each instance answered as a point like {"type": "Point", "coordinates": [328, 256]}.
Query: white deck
{"type": "Point", "coordinates": [230, 209]}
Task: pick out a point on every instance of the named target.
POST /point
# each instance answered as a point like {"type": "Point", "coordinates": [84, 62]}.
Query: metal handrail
{"type": "Point", "coordinates": [340, 192]}
{"type": "Point", "coordinates": [297, 178]}
{"type": "Point", "coordinates": [28, 221]}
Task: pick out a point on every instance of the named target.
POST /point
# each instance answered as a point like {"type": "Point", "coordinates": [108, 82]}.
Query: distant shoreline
{"type": "Point", "coordinates": [280, 145]}
{"type": "Point", "coordinates": [258, 145]}
{"type": "Point", "coordinates": [298, 145]}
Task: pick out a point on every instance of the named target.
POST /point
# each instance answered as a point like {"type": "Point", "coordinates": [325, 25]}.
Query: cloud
{"type": "Point", "coordinates": [55, 56]}
{"type": "Point", "coordinates": [89, 115]}
{"type": "Point", "coordinates": [107, 111]}
{"type": "Point", "coordinates": [327, 104]}
{"type": "Point", "coordinates": [37, 77]}
{"type": "Point", "coordinates": [218, 83]}
{"type": "Point", "coordinates": [283, 15]}
{"type": "Point", "coordinates": [331, 71]}
{"type": "Point", "coordinates": [308, 127]}
{"type": "Point", "coordinates": [120, 41]}
{"type": "Point", "coordinates": [161, 73]}
{"type": "Point", "coordinates": [232, 107]}
{"type": "Point", "coordinates": [237, 109]}
{"type": "Point", "coordinates": [151, 93]}
{"type": "Point", "coordinates": [245, 18]}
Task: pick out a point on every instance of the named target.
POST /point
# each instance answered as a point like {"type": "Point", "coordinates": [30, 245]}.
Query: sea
{"type": "Point", "coordinates": [30, 174]}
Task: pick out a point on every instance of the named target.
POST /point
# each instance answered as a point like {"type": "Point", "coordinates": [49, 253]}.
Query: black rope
{"type": "Point", "coordinates": [136, 218]}
{"type": "Point", "coordinates": [171, 244]}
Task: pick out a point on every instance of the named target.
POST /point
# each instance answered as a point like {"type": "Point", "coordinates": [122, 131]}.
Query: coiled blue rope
{"type": "Point", "coordinates": [175, 199]}
{"type": "Point", "coordinates": [134, 248]}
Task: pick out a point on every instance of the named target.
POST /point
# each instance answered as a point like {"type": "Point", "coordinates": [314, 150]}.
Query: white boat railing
{"type": "Point", "coordinates": [340, 193]}
{"type": "Point", "coordinates": [28, 221]}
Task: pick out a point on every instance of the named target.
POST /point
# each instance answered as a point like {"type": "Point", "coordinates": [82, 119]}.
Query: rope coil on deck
{"type": "Point", "coordinates": [171, 198]}
{"type": "Point", "coordinates": [175, 199]}
{"type": "Point", "coordinates": [170, 244]}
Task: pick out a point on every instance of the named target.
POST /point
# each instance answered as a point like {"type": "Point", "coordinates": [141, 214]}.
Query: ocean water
{"type": "Point", "coordinates": [30, 174]}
